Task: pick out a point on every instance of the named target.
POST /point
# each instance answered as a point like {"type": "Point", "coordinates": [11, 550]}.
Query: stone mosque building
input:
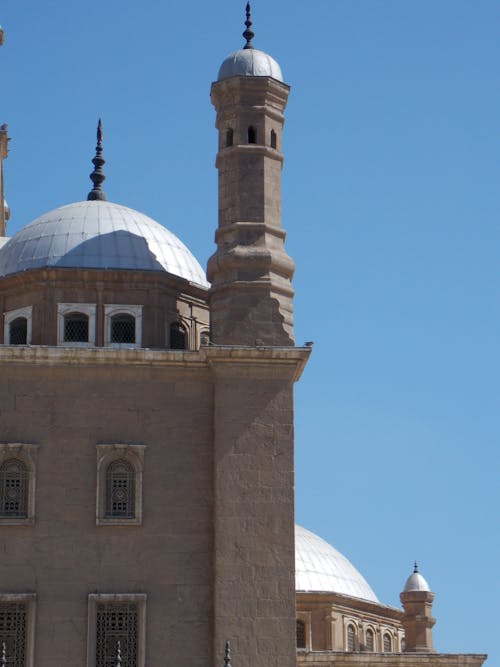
{"type": "Point", "coordinates": [146, 448]}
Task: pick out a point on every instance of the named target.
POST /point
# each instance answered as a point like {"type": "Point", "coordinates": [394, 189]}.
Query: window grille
{"type": "Point", "coordinates": [123, 328]}
{"type": "Point", "coordinates": [14, 480]}
{"type": "Point", "coordinates": [18, 331]}
{"type": "Point", "coordinates": [273, 139]}
{"type": "Point", "coordinates": [177, 337]}
{"type": "Point", "coordinates": [120, 490]}
{"type": "Point", "coordinates": [13, 631]}
{"type": "Point", "coordinates": [403, 644]}
{"type": "Point", "coordinates": [370, 642]}
{"type": "Point", "coordinates": [387, 643]}
{"type": "Point", "coordinates": [117, 622]}
{"type": "Point", "coordinates": [301, 634]}
{"type": "Point", "coordinates": [351, 638]}
{"type": "Point", "coordinates": [76, 328]}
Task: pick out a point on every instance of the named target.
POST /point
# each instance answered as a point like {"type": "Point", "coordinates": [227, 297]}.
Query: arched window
{"type": "Point", "coordinates": [370, 641]}
{"type": "Point", "coordinates": [301, 634]}
{"type": "Point", "coordinates": [14, 480]}
{"type": "Point", "coordinates": [229, 136]}
{"type": "Point", "coordinates": [177, 337]}
{"type": "Point", "coordinates": [120, 489]}
{"type": "Point", "coordinates": [76, 328]}
{"type": "Point", "coordinates": [403, 644]}
{"type": "Point", "coordinates": [205, 338]}
{"type": "Point", "coordinates": [18, 331]}
{"type": "Point", "coordinates": [252, 135]}
{"type": "Point", "coordinates": [351, 638]}
{"type": "Point", "coordinates": [387, 643]}
{"type": "Point", "coordinates": [123, 328]}
{"type": "Point", "coordinates": [273, 139]}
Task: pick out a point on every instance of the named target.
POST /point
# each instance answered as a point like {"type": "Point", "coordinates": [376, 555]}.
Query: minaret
{"type": "Point", "coordinates": [4, 140]}
{"type": "Point", "coordinates": [251, 294]}
{"type": "Point", "coordinates": [418, 622]}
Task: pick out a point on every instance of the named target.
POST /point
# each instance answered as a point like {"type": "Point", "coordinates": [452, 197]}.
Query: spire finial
{"type": "Point", "coordinates": [415, 568]}
{"type": "Point", "coordinates": [4, 654]}
{"type": "Point", "coordinates": [97, 176]}
{"type": "Point", "coordinates": [248, 34]}
{"type": "Point", "coordinates": [227, 655]}
{"type": "Point", "coordinates": [118, 654]}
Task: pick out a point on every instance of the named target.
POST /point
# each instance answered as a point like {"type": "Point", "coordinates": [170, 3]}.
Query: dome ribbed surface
{"type": "Point", "coordinates": [99, 235]}
{"type": "Point", "coordinates": [249, 62]}
{"type": "Point", "coordinates": [321, 568]}
{"type": "Point", "coordinates": [416, 582]}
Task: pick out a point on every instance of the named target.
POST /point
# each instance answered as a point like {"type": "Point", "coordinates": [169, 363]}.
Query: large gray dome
{"type": "Point", "coordinates": [249, 62]}
{"type": "Point", "coordinates": [99, 235]}
{"type": "Point", "coordinates": [321, 568]}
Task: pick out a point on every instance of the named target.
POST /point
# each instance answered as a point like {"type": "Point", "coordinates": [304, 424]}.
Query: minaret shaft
{"type": "Point", "coordinates": [251, 295]}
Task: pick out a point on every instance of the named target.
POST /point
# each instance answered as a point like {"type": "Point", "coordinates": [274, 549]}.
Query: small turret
{"type": "Point", "coordinates": [418, 622]}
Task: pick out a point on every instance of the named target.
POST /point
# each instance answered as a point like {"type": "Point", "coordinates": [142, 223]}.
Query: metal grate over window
{"type": "Point", "coordinates": [387, 643]}
{"type": "Point", "coordinates": [301, 634]}
{"type": "Point", "coordinates": [18, 331]}
{"type": "Point", "coordinates": [123, 329]}
{"type": "Point", "coordinates": [14, 479]}
{"type": "Point", "coordinates": [177, 337]}
{"type": "Point", "coordinates": [13, 631]}
{"type": "Point", "coordinates": [120, 490]}
{"type": "Point", "coordinates": [370, 642]}
{"type": "Point", "coordinates": [351, 638]}
{"type": "Point", "coordinates": [117, 630]}
{"type": "Point", "coordinates": [76, 328]}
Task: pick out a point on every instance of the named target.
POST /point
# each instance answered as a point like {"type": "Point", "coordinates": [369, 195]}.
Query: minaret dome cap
{"type": "Point", "coordinates": [249, 61]}
{"type": "Point", "coordinates": [416, 582]}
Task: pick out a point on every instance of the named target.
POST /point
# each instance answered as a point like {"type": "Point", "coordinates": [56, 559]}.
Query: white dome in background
{"type": "Point", "coordinates": [321, 568]}
{"type": "Point", "coordinates": [99, 235]}
{"type": "Point", "coordinates": [249, 62]}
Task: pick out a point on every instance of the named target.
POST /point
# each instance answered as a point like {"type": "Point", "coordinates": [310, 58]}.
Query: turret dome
{"type": "Point", "coordinates": [249, 62]}
{"type": "Point", "coordinates": [416, 582]}
{"type": "Point", "coordinates": [99, 235]}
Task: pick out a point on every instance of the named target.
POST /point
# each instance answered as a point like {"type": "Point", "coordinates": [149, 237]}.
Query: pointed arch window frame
{"type": "Point", "coordinates": [87, 309]}
{"type": "Point", "coordinates": [12, 315]}
{"type": "Point", "coordinates": [27, 454]}
{"type": "Point", "coordinates": [112, 309]}
{"type": "Point", "coordinates": [106, 455]}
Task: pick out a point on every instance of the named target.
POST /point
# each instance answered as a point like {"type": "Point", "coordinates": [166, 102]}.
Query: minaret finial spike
{"type": "Point", "coordinates": [248, 34]}
{"type": "Point", "coordinates": [4, 654]}
{"type": "Point", "coordinates": [97, 176]}
{"type": "Point", "coordinates": [118, 654]}
{"type": "Point", "coordinates": [227, 655]}
{"type": "Point", "coordinates": [415, 568]}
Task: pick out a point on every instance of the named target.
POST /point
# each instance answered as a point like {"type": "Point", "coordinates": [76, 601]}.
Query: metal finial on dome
{"type": "Point", "coordinates": [415, 568]}
{"type": "Point", "coordinates": [248, 34]}
{"type": "Point", "coordinates": [227, 655]}
{"type": "Point", "coordinates": [4, 654]}
{"type": "Point", "coordinates": [97, 176]}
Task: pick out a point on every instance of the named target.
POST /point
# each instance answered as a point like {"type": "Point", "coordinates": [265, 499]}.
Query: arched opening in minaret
{"type": "Point", "coordinates": [229, 136]}
{"type": "Point", "coordinates": [273, 139]}
{"type": "Point", "coordinates": [252, 135]}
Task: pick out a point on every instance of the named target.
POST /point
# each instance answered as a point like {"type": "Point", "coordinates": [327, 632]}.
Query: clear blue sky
{"type": "Point", "coordinates": [391, 207]}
